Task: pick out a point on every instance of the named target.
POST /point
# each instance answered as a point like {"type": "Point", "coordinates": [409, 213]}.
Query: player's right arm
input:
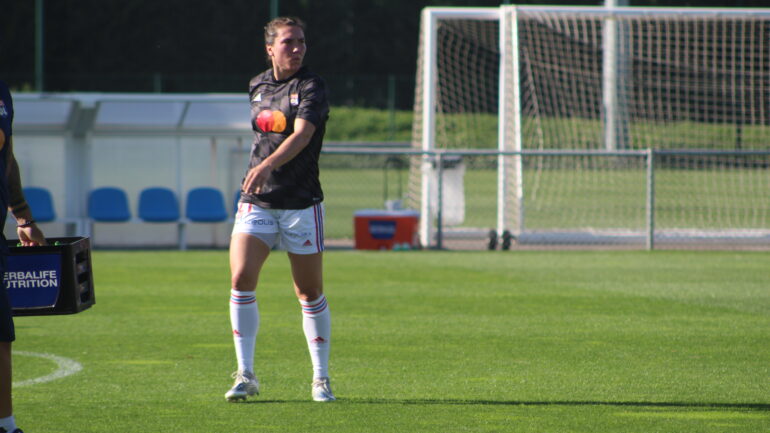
{"type": "Point", "coordinates": [28, 232]}
{"type": "Point", "coordinates": [289, 148]}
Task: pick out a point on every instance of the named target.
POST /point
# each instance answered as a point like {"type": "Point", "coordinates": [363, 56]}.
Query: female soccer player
{"type": "Point", "coordinates": [281, 204]}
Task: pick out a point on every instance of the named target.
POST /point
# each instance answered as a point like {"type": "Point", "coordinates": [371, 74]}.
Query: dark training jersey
{"type": "Point", "coordinates": [7, 331]}
{"type": "Point", "coordinates": [274, 107]}
{"type": "Point", "coordinates": [6, 122]}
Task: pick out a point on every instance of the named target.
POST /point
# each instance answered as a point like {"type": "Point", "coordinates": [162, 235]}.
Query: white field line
{"type": "Point", "coordinates": [65, 367]}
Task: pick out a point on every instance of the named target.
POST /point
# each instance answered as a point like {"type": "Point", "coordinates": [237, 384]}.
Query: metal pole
{"type": "Point", "coordinates": [39, 45]}
{"type": "Point", "coordinates": [440, 201]}
{"type": "Point", "coordinates": [503, 117]}
{"type": "Point", "coordinates": [613, 73]}
{"type": "Point", "coordinates": [518, 144]}
{"type": "Point", "coordinates": [273, 9]}
{"type": "Point", "coordinates": [428, 28]}
{"type": "Point", "coordinates": [392, 105]}
{"type": "Point", "coordinates": [650, 199]}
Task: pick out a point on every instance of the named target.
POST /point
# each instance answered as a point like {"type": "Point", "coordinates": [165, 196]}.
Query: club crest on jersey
{"type": "Point", "coordinates": [3, 111]}
{"type": "Point", "coordinates": [294, 99]}
{"type": "Point", "coordinates": [257, 98]}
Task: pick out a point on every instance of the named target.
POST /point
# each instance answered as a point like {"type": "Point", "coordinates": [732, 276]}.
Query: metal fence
{"type": "Point", "coordinates": [654, 199]}
{"type": "Point", "coordinates": [643, 199]}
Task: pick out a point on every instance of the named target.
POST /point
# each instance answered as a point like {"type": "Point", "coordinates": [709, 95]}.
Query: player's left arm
{"type": "Point", "coordinates": [28, 231]}
{"type": "Point", "coordinates": [289, 148]}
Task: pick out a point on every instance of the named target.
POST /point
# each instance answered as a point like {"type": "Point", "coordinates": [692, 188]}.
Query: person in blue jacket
{"type": "Point", "coordinates": [11, 199]}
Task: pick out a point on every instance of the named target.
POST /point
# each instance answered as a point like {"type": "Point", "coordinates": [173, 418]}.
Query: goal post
{"type": "Point", "coordinates": [568, 90]}
{"type": "Point", "coordinates": [510, 181]}
{"type": "Point", "coordinates": [426, 101]}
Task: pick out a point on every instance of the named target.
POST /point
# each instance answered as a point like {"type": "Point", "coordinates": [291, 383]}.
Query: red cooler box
{"type": "Point", "coordinates": [386, 229]}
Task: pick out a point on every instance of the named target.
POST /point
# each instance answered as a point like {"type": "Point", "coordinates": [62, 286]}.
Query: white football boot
{"type": "Point", "coordinates": [246, 384]}
{"type": "Point", "coordinates": [322, 390]}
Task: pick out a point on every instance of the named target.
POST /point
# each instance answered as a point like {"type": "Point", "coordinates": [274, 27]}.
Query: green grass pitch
{"type": "Point", "coordinates": [429, 341]}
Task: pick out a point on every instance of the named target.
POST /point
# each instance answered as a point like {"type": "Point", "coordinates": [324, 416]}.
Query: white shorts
{"type": "Point", "coordinates": [298, 231]}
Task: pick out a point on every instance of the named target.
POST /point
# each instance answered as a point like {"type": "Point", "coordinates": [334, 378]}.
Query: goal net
{"type": "Point", "coordinates": [597, 124]}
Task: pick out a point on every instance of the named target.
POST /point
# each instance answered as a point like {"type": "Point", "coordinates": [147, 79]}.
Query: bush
{"type": "Point", "coordinates": [368, 124]}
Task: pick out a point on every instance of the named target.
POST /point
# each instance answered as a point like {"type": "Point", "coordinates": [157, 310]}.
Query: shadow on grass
{"type": "Point", "coordinates": [470, 402]}
{"type": "Point", "coordinates": [741, 406]}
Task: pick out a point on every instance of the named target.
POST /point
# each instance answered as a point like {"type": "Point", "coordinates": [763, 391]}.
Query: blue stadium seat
{"type": "Point", "coordinates": [205, 205]}
{"type": "Point", "coordinates": [41, 203]}
{"type": "Point", "coordinates": [108, 204]}
{"type": "Point", "coordinates": [158, 205]}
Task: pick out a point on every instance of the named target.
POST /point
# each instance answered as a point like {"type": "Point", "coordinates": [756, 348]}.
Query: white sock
{"type": "Point", "coordinates": [244, 318]}
{"type": "Point", "coordinates": [317, 324]}
{"type": "Point", "coordinates": [8, 423]}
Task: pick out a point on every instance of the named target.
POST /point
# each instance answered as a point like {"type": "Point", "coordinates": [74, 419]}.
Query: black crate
{"type": "Point", "coordinates": [52, 279]}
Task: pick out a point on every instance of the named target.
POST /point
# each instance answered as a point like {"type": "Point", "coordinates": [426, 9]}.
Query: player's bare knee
{"type": "Point", "coordinates": [308, 295]}
{"type": "Point", "coordinates": [243, 283]}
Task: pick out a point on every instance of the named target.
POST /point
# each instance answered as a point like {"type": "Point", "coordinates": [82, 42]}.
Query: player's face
{"type": "Point", "coordinates": [287, 51]}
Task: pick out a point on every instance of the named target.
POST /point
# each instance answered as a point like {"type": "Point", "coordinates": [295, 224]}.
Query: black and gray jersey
{"type": "Point", "coordinates": [275, 105]}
